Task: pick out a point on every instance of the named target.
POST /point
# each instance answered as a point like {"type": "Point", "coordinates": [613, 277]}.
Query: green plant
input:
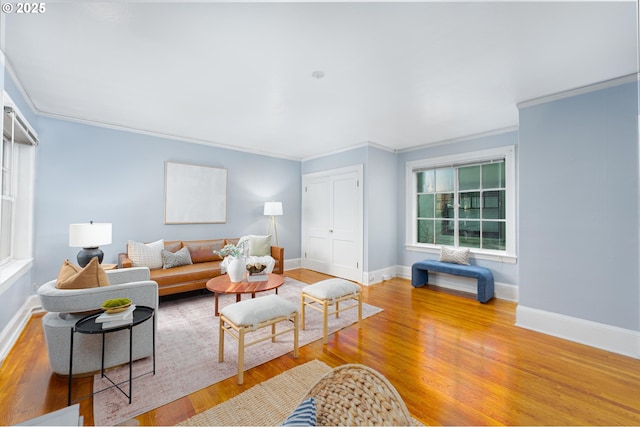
{"type": "Point", "coordinates": [231, 250]}
{"type": "Point", "coordinates": [116, 302]}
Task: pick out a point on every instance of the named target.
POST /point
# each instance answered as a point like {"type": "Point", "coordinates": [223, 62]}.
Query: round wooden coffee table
{"type": "Point", "coordinates": [222, 285]}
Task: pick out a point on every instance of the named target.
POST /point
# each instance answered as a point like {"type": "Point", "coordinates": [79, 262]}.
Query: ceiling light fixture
{"type": "Point", "coordinates": [318, 74]}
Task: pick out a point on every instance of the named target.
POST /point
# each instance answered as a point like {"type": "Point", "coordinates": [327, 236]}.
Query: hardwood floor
{"type": "Point", "coordinates": [453, 360]}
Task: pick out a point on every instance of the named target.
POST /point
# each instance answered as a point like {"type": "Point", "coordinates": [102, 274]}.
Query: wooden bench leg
{"type": "Point", "coordinates": [241, 356]}
{"type": "Point", "coordinates": [295, 335]}
{"type": "Point", "coordinates": [325, 321]}
{"type": "Point", "coordinates": [302, 306]}
{"type": "Point", "coordinates": [221, 341]}
{"type": "Point", "coordinates": [359, 310]}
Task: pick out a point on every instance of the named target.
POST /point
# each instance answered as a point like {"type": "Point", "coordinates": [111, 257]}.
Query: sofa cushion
{"type": "Point", "coordinates": [202, 250]}
{"type": "Point", "coordinates": [173, 246]}
{"type": "Point", "coordinates": [180, 257]}
{"type": "Point", "coordinates": [186, 273]}
{"type": "Point", "coordinates": [231, 241]}
{"type": "Point", "coordinates": [74, 277]}
{"type": "Point", "coordinates": [145, 254]}
{"type": "Point", "coordinates": [259, 245]}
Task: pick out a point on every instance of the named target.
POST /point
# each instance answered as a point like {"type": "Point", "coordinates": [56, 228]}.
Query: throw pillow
{"type": "Point", "coordinates": [202, 250]}
{"type": "Point", "coordinates": [260, 245]}
{"type": "Point", "coordinates": [303, 415]}
{"type": "Point", "coordinates": [170, 259]}
{"type": "Point", "coordinates": [455, 256]}
{"type": "Point", "coordinates": [145, 254]}
{"type": "Point", "coordinates": [73, 277]}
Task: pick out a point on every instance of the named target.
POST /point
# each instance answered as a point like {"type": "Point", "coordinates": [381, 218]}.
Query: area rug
{"type": "Point", "coordinates": [187, 353]}
{"type": "Point", "coordinates": [266, 404]}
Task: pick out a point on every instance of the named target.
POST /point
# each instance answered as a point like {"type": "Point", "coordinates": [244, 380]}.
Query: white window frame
{"type": "Point", "coordinates": [21, 259]}
{"type": "Point", "coordinates": [508, 153]}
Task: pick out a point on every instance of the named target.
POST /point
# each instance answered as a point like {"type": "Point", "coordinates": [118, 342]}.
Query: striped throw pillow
{"type": "Point", "coordinates": [303, 415]}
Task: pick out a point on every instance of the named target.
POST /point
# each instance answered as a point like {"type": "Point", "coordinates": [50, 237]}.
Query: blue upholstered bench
{"type": "Point", "coordinates": [420, 275]}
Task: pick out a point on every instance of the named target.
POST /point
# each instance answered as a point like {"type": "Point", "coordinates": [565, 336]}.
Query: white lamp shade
{"type": "Point", "coordinates": [273, 208]}
{"type": "Point", "coordinates": [90, 235]}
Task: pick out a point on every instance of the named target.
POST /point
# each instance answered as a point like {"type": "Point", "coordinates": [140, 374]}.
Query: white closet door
{"type": "Point", "coordinates": [317, 219]}
{"type": "Point", "coordinates": [333, 222]}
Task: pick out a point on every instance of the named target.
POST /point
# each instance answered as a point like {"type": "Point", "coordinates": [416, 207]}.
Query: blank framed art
{"type": "Point", "coordinates": [194, 194]}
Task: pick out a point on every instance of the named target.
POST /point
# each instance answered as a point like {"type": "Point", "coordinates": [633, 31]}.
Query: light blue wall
{"type": "Point", "coordinates": [357, 156]}
{"type": "Point", "coordinates": [579, 207]}
{"type": "Point", "coordinates": [381, 216]}
{"type": "Point", "coordinates": [503, 272]}
{"type": "Point", "coordinates": [91, 173]}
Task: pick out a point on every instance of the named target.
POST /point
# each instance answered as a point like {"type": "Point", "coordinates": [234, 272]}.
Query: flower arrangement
{"type": "Point", "coordinates": [256, 268]}
{"type": "Point", "coordinates": [231, 250]}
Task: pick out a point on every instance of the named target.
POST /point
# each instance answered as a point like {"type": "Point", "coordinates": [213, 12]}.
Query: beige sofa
{"type": "Point", "coordinates": [206, 265]}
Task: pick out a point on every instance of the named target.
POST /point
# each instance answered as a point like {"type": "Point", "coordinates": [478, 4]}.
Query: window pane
{"type": "Point", "coordinates": [469, 178]}
{"type": "Point", "coordinates": [425, 206]}
{"type": "Point", "coordinates": [494, 235]}
{"type": "Point", "coordinates": [469, 234]}
{"type": "Point", "coordinates": [5, 218]}
{"type": "Point", "coordinates": [6, 167]}
{"type": "Point", "coordinates": [426, 181]}
{"type": "Point", "coordinates": [444, 232]}
{"type": "Point", "coordinates": [444, 179]}
{"type": "Point", "coordinates": [493, 175]}
{"type": "Point", "coordinates": [444, 205]}
{"type": "Point", "coordinates": [469, 205]}
{"type": "Point", "coordinates": [425, 231]}
{"type": "Point", "coordinates": [493, 205]}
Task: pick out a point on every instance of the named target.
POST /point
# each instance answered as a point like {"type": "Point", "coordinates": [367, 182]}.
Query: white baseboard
{"type": "Point", "coordinates": [503, 291]}
{"type": "Point", "coordinates": [377, 276]}
{"type": "Point", "coordinates": [606, 337]}
{"type": "Point", "coordinates": [290, 264]}
{"type": "Point", "coordinates": [12, 331]}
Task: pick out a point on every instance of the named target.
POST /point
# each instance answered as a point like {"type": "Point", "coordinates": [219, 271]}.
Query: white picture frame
{"type": "Point", "coordinates": [194, 194]}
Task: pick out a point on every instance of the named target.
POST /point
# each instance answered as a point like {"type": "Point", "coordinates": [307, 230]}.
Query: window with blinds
{"type": "Point", "coordinates": [16, 157]}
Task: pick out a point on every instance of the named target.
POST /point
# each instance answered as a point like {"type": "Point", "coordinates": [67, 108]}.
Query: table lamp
{"type": "Point", "coordinates": [273, 209]}
{"type": "Point", "coordinates": [89, 237]}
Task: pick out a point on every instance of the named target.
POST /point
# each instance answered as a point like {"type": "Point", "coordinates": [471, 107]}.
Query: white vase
{"type": "Point", "coordinates": [236, 269]}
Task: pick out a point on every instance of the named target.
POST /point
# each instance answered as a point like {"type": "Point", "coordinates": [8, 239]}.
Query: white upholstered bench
{"type": "Point", "coordinates": [330, 293]}
{"type": "Point", "coordinates": [250, 315]}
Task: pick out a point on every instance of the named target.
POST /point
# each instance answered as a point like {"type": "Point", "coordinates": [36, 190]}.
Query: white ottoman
{"type": "Point", "coordinates": [330, 293]}
{"type": "Point", "coordinates": [250, 315]}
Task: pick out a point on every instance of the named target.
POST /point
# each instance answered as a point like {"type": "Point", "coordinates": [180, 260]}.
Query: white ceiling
{"type": "Point", "coordinates": [237, 74]}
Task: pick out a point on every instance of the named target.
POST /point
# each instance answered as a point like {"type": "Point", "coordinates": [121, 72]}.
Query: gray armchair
{"type": "Point", "coordinates": [66, 306]}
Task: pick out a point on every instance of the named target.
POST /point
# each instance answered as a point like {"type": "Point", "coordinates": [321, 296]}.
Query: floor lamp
{"type": "Point", "coordinates": [273, 209]}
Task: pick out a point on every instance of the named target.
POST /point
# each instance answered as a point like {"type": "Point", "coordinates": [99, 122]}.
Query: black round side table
{"type": "Point", "coordinates": [88, 325]}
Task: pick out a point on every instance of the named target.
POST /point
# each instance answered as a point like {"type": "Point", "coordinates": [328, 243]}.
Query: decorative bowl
{"type": "Point", "coordinates": [255, 268]}
{"type": "Point", "coordinates": [116, 305]}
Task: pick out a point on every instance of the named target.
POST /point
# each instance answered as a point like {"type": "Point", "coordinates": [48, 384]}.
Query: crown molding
{"type": "Point", "coordinates": [165, 136]}
{"type": "Point", "coordinates": [579, 90]}
{"type": "Point", "coordinates": [366, 144]}
{"type": "Point", "coordinates": [461, 139]}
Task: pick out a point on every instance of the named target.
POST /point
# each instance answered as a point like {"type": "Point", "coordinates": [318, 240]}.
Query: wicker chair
{"type": "Point", "coordinates": [353, 395]}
